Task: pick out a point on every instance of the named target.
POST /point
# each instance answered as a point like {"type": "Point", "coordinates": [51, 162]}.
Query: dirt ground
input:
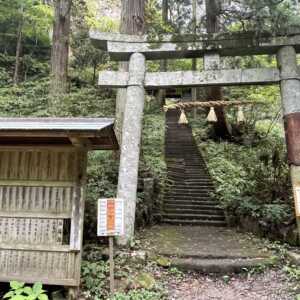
{"type": "Point", "coordinates": [271, 285]}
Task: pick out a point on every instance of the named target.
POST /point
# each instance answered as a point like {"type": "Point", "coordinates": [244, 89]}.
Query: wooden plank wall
{"type": "Point", "coordinates": [39, 191]}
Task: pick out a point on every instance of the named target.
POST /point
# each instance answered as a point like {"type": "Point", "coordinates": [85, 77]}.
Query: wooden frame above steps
{"type": "Point", "coordinates": [42, 193]}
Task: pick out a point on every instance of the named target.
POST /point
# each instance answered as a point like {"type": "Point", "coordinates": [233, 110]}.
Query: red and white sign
{"type": "Point", "coordinates": [110, 217]}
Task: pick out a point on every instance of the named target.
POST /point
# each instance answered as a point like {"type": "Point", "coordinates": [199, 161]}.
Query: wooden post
{"type": "Point", "coordinates": [73, 293]}
{"type": "Point", "coordinates": [111, 265]}
{"type": "Point", "coordinates": [131, 137]}
{"type": "Point", "coordinates": [290, 94]}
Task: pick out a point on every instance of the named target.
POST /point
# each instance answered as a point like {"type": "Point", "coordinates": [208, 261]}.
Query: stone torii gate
{"type": "Point", "coordinates": [137, 49]}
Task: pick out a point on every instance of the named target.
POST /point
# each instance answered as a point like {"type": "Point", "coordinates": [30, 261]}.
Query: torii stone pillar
{"type": "Point", "coordinates": [131, 142]}
{"type": "Point", "coordinates": [290, 95]}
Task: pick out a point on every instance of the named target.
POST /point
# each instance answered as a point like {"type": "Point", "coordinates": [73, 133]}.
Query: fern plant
{"type": "Point", "coordinates": [18, 291]}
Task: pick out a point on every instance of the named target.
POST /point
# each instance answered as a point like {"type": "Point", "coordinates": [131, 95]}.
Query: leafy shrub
{"type": "Point", "coordinates": [21, 292]}
{"type": "Point", "coordinates": [251, 179]}
{"type": "Point", "coordinates": [141, 294]}
{"type": "Point", "coordinates": [32, 98]}
{"type": "Point", "coordinates": [276, 213]}
{"type": "Point", "coordinates": [102, 183]}
{"type": "Point", "coordinates": [293, 272]}
{"type": "Point", "coordinates": [4, 77]}
{"type": "Point", "coordinates": [94, 279]}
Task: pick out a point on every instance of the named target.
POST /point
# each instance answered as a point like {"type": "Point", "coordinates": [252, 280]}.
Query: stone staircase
{"type": "Point", "coordinates": [188, 200]}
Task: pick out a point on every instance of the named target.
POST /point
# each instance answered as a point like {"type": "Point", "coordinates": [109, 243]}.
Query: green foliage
{"type": "Point", "coordinates": [262, 15]}
{"type": "Point", "coordinates": [31, 98]}
{"type": "Point", "coordinates": [34, 16]}
{"type": "Point", "coordinates": [4, 77]}
{"type": "Point", "coordinates": [102, 23]}
{"type": "Point", "coordinates": [176, 273]}
{"type": "Point", "coordinates": [252, 177]}
{"type": "Point", "coordinates": [152, 164]}
{"type": "Point", "coordinates": [248, 185]}
{"type": "Point", "coordinates": [18, 291]}
{"type": "Point", "coordinates": [155, 25]}
{"type": "Point", "coordinates": [102, 183]}
{"type": "Point", "coordinates": [94, 279]}
{"type": "Point", "coordinates": [293, 272]}
{"type": "Point", "coordinates": [153, 142]}
{"type": "Point", "coordinates": [140, 294]}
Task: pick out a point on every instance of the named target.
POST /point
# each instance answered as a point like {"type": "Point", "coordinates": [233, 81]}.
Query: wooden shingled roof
{"type": "Point", "coordinates": [92, 133]}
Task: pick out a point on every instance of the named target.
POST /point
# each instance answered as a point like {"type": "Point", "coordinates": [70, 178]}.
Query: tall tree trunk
{"type": "Point", "coordinates": [132, 22]}
{"type": "Point", "coordinates": [161, 96]}
{"type": "Point", "coordinates": [194, 60]}
{"type": "Point", "coordinates": [222, 128]}
{"type": "Point", "coordinates": [60, 49]}
{"type": "Point", "coordinates": [18, 48]}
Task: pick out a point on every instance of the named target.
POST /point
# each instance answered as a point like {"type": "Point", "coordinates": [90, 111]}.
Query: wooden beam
{"type": "Point", "coordinates": [80, 142]}
{"type": "Point", "coordinates": [121, 46]}
{"type": "Point", "coordinates": [33, 279]}
{"type": "Point", "coordinates": [34, 215]}
{"type": "Point", "coordinates": [8, 182]}
{"type": "Point", "coordinates": [193, 78]}
{"type": "Point", "coordinates": [40, 248]}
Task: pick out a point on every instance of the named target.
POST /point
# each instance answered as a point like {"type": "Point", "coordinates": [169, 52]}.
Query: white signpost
{"type": "Point", "coordinates": [110, 223]}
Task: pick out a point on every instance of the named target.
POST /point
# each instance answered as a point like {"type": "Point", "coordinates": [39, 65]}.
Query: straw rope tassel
{"type": "Point", "coordinates": [183, 119]}
{"type": "Point", "coordinates": [211, 117]}
{"type": "Point", "coordinates": [240, 115]}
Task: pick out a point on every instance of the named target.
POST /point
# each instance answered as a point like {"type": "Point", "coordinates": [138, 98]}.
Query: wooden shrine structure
{"type": "Point", "coordinates": [42, 184]}
{"type": "Point", "coordinates": [138, 49]}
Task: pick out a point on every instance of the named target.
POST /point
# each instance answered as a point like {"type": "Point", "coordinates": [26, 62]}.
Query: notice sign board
{"type": "Point", "coordinates": [297, 201]}
{"type": "Point", "coordinates": [110, 217]}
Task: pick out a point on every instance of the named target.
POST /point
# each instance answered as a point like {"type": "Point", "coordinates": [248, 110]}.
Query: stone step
{"type": "Point", "coordinates": [199, 204]}
{"type": "Point", "coordinates": [181, 183]}
{"type": "Point", "coordinates": [193, 216]}
{"type": "Point", "coordinates": [200, 211]}
{"type": "Point", "coordinates": [193, 206]}
{"type": "Point", "coordinates": [191, 167]}
{"type": "Point", "coordinates": [196, 187]}
{"type": "Point", "coordinates": [188, 193]}
{"type": "Point", "coordinates": [176, 192]}
{"type": "Point", "coordinates": [179, 170]}
{"type": "Point", "coordinates": [191, 178]}
{"type": "Point", "coordinates": [189, 153]}
{"type": "Point", "coordinates": [186, 177]}
{"type": "Point", "coordinates": [200, 181]}
{"type": "Point", "coordinates": [185, 196]}
{"type": "Point", "coordinates": [219, 265]}
{"type": "Point", "coordinates": [191, 173]}
{"type": "Point", "coordinates": [199, 167]}
{"type": "Point", "coordinates": [200, 197]}
{"type": "Point", "coordinates": [194, 222]}
{"type": "Point", "coordinates": [188, 199]}
{"type": "Point", "coordinates": [184, 171]}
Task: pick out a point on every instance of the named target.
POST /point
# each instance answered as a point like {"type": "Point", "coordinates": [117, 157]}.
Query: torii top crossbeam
{"type": "Point", "coordinates": [121, 46]}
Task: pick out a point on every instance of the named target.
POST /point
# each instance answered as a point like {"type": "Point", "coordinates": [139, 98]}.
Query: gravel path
{"type": "Point", "coordinates": [272, 285]}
